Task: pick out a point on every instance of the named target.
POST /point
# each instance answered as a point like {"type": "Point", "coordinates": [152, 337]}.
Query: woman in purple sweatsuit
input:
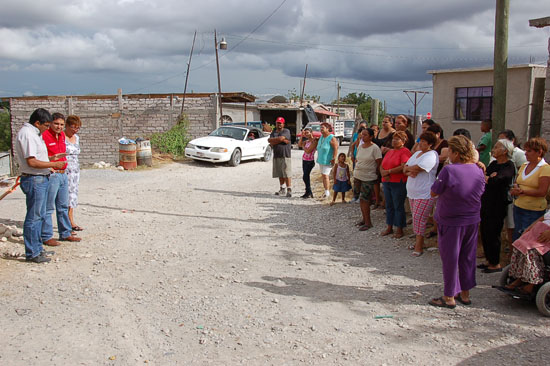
{"type": "Point", "coordinates": [459, 187]}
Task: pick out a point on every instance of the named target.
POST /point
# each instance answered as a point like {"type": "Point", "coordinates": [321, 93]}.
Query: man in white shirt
{"type": "Point", "coordinates": [35, 166]}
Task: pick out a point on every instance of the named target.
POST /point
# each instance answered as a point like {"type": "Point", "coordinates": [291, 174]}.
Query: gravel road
{"type": "Point", "coordinates": [195, 264]}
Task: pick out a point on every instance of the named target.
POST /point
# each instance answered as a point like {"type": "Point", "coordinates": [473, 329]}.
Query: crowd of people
{"type": "Point", "coordinates": [460, 188]}
{"type": "Point", "coordinates": [47, 149]}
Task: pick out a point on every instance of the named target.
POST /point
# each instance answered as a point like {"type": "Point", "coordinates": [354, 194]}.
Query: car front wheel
{"type": "Point", "coordinates": [268, 154]}
{"type": "Point", "coordinates": [235, 158]}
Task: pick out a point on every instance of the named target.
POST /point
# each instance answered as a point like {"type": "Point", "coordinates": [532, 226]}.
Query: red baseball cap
{"type": "Point", "coordinates": [280, 120]}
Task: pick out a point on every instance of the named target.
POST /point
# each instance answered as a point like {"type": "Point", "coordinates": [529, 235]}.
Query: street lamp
{"type": "Point", "coordinates": [223, 46]}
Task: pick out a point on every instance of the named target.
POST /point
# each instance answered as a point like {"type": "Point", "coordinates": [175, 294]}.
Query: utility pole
{"type": "Point", "coordinates": [303, 88]}
{"type": "Point", "coordinates": [415, 103]}
{"type": "Point", "coordinates": [544, 120]}
{"type": "Point", "coordinates": [375, 110]}
{"type": "Point", "coordinates": [500, 68]}
{"type": "Point", "coordinates": [219, 83]}
{"type": "Point", "coordinates": [187, 75]}
{"type": "Point", "coordinates": [338, 101]}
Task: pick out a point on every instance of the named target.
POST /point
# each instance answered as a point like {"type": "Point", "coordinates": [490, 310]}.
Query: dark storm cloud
{"type": "Point", "coordinates": [146, 42]}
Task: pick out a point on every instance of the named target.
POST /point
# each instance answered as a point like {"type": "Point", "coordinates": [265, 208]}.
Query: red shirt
{"type": "Point", "coordinates": [393, 159]}
{"type": "Point", "coordinates": [55, 145]}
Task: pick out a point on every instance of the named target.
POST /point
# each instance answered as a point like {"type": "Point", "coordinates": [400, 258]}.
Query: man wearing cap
{"type": "Point", "coordinates": [58, 189]}
{"type": "Point", "coordinates": [282, 167]}
{"type": "Point", "coordinates": [35, 166]}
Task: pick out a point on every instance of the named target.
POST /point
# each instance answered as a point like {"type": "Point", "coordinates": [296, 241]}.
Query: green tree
{"type": "Point", "coordinates": [5, 130]}
{"type": "Point", "coordinates": [292, 94]}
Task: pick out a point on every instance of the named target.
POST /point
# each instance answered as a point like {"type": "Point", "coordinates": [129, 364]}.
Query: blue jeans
{"type": "Point", "coordinates": [58, 200]}
{"type": "Point", "coordinates": [395, 194]}
{"type": "Point", "coordinates": [523, 218]}
{"type": "Point", "coordinates": [36, 191]}
{"type": "Point", "coordinates": [307, 167]}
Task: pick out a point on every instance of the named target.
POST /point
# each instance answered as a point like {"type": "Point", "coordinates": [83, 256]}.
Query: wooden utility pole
{"type": "Point", "coordinates": [338, 101]}
{"type": "Point", "coordinates": [375, 110]}
{"type": "Point", "coordinates": [303, 88]}
{"type": "Point", "coordinates": [500, 73]}
{"type": "Point", "coordinates": [545, 119]}
{"type": "Point", "coordinates": [219, 83]}
{"type": "Point", "coordinates": [187, 75]}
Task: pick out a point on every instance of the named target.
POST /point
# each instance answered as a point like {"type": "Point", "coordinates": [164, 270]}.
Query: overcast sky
{"type": "Point", "coordinates": [78, 47]}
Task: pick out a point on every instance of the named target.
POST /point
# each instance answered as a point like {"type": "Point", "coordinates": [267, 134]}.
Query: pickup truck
{"type": "Point", "coordinates": [337, 130]}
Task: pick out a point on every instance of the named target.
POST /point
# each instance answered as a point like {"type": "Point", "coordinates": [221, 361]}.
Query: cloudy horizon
{"type": "Point", "coordinates": [79, 47]}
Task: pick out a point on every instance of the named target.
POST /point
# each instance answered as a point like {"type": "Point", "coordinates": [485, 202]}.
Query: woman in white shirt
{"type": "Point", "coordinates": [421, 169]}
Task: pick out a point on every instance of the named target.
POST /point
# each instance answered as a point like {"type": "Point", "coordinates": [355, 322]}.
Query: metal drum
{"type": "Point", "coordinates": [144, 155]}
{"type": "Point", "coordinates": [127, 156]}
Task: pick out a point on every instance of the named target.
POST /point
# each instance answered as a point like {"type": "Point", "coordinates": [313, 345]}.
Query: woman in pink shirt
{"type": "Point", "coordinates": [309, 144]}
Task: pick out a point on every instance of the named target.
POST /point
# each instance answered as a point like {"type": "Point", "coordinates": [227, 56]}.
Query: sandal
{"type": "Point", "coordinates": [417, 254]}
{"type": "Point", "coordinates": [440, 303]}
{"type": "Point", "coordinates": [463, 302]}
{"type": "Point", "coordinates": [364, 227]}
{"type": "Point", "coordinates": [431, 234]}
{"type": "Point", "coordinates": [77, 228]}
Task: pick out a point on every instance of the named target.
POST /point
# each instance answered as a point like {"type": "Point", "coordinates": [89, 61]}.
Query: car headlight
{"type": "Point", "coordinates": [191, 146]}
{"type": "Point", "coordinates": [219, 149]}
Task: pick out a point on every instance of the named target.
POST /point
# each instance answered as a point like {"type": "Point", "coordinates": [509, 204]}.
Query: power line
{"type": "Point", "coordinates": [304, 44]}
{"type": "Point", "coordinates": [245, 38]}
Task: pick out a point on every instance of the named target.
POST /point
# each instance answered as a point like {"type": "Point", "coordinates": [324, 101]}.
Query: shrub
{"type": "Point", "coordinates": [5, 131]}
{"type": "Point", "coordinates": [174, 140]}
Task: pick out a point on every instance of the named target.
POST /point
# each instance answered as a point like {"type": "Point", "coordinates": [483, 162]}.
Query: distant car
{"type": "Point", "coordinates": [230, 144]}
{"type": "Point", "coordinates": [316, 130]}
{"type": "Point", "coordinates": [257, 124]}
{"type": "Point", "coordinates": [348, 130]}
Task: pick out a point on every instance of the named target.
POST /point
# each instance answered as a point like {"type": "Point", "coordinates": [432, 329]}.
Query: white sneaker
{"type": "Point", "coordinates": [353, 200]}
{"type": "Point", "coordinates": [281, 192]}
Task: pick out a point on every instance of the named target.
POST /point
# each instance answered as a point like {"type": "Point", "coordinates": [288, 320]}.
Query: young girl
{"type": "Point", "coordinates": [309, 144]}
{"type": "Point", "coordinates": [341, 177]}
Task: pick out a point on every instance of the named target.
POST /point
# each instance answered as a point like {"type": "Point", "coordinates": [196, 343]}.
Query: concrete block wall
{"type": "Point", "coordinates": [106, 118]}
{"type": "Point", "coordinates": [545, 127]}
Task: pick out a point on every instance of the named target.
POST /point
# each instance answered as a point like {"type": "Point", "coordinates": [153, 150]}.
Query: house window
{"type": "Point", "coordinates": [473, 104]}
{"type": "Point", "coordinates": [339, 111]}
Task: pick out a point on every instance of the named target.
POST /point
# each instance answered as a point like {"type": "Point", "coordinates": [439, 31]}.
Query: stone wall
{"type": "Point", "coordinates": [545, 127]}
{"type": "Point", "coordinates": [106, 118]}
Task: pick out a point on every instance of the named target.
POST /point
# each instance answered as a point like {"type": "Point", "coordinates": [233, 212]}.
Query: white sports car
{"type": "Point", "coordinates": [230, 144]}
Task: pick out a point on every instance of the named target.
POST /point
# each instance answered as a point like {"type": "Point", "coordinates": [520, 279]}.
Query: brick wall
{"type": "Point", "coordinates": [106, 118]}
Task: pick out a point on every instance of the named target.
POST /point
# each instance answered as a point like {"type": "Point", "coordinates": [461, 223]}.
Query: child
{"type": "Point", "coordinates": [341, 177]}
{"type": "Point", "coordinates": [486, 142]}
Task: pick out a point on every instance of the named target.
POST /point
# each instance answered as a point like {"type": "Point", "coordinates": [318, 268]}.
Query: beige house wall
{"type": "Point", "coordinates": [348, 111]}
{"type": "Point", "coordinates": [237, 112]}
{"type": "Point", "coordinates": [520, 87]}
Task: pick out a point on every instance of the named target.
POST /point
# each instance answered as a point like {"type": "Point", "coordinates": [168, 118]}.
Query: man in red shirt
{"type": "Point", "coordinates": [58, 188]}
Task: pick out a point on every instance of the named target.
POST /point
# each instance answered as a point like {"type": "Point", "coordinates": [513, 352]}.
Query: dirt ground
{"type": "Point", "coordinates": [195, 264]}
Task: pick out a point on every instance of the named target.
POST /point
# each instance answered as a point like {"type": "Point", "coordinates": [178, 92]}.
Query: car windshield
{"type": "Point", "coordinates": [231, 132]}
{"type": "Point", "coordinates": [315, 128]}
{"type": "Point", "coordinates": [348, 124]}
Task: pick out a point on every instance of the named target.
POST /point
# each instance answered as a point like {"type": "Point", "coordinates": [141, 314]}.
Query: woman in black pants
{"type": "Point", "coordinates": [309, 144]}
{"type": "Point", "coordinates": [494, 203]}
